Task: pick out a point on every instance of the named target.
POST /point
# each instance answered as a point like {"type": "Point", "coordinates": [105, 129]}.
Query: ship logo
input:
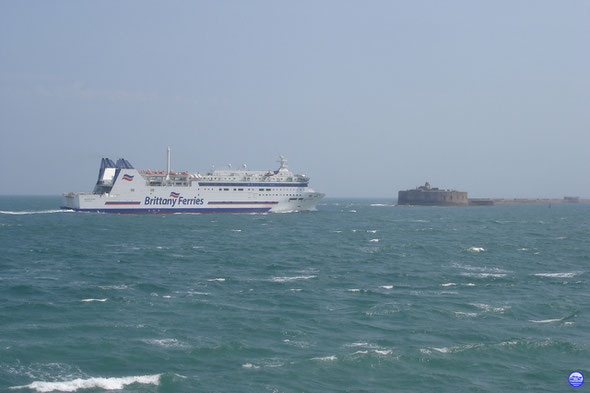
{"type": "Point", "coordinates": [127, 177]}
{"type": "Point", "coordinates": [174, 194]}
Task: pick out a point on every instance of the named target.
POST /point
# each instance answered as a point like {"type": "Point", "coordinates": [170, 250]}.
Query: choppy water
{"type": "Point", "coordinates": [360, 296]}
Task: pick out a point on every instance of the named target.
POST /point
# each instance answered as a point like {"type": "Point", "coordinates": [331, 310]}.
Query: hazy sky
{"type": "Point", "coordinates": [365, 97]}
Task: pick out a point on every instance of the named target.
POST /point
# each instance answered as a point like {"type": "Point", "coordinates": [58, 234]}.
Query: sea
{"type": "Point", "coordinates": [358, 296]}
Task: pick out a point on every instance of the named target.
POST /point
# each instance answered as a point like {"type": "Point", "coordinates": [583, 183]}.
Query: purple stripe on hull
{"type": "Point", "coordinates": [241, 203]}
{"type": "Point", "coordinates": [172, 211]}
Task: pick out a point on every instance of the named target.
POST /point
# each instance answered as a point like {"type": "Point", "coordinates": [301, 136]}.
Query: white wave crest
{"type": "Point", "coordinates": [449, 284]}
{"type": "Point", "coordinates": [453, 349]}
{"type": "Point", "coordinates": [216, 279]}
{"type": "Point", "coordinates": [386, 286]}
{"type": "Point", "coordinates": [287, 279]}
{"type": "Point", "coordinates": [118, 287]}
{"type": "Point", "coordinates": [166, 342]}
{"type": "Point", "coordinates": [480, 268]}
{"type": "Point", "coordinates": [374, 240]}
{"type": "Point", "coordinates": [476, 249]}
{"type": "Point", "coordinates": [90, 383]}
{"type": "Point", "coordinates": [326, 358]}
{"type": "Point", "coordinates": [94, 300]}
{"type": "Point", "coordinates": [465, 314]}
{"type": "Point", "coordinates": [18, 213]}
{"type": "Point", "coordinates": [383, 352]}
{"type": "Point", "coordinates": [191, 293]}
{"type": "Point", "coordinates": [357, 345]}
{"type": "Point", "coordinates": [558, 275]}
{"type": "Point", "coordinates": [484, 275]}
{"type": "Point", "coordinates": [546, 320]}
{"type": "Point", "coordinates": [488, 308]}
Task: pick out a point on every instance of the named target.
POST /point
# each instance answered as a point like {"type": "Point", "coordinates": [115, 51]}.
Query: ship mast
{"type": "Point", "coordinates": [168, 165]}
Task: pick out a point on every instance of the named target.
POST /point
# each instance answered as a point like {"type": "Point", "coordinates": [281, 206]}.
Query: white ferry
{"type": "Point", "coordinates": [122, 189]}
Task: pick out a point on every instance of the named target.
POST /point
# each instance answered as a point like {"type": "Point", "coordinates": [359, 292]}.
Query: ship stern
{"type": "Point", "coordinates": [71, 201]}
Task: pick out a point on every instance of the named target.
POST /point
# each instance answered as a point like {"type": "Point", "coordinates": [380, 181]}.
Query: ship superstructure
{"type": "Point", "coordinates": [123, 189]}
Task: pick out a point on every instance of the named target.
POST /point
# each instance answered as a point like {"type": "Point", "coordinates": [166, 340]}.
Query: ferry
{"type": "Point", "coordinates": [123, 189]}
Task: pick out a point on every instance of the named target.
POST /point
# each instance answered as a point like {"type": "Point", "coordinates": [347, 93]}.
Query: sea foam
{"type": "Point", "coordinates": [484, 275]}
{"type": "Point", "coordinates": [36, 212]}
{"type": "Point", "coordinates": [547, 320]}
{"type": "Point", "coordinates": [166, 342]}
{"type": "Point", "coordinates": [488, 308]}
{"type": "Point", "coordinates": [558, 275]}
{"type": "Point", "coordinates": [90, 383]}
{"type": "Point", "coordinates": [383, 351]}
{"type": "Point", "coordinates": [326, 358]}
{"type": "Point", "coordinates": [287, 279]}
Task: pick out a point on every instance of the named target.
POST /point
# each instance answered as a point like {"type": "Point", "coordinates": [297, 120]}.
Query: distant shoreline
{"type": "Point", "coordinates": [531, 201]}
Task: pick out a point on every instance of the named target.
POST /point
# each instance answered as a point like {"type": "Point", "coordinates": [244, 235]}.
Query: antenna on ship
{"type": "Point", "coordinates": [168, 165]}
{"type": "Point", "coordinates": [283, 162]}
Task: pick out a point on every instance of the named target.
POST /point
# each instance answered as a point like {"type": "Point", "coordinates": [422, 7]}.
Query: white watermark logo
{"type": "Point", "coordinates": [576, 379]}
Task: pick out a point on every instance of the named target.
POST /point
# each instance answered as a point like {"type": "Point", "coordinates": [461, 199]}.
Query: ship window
{"type": "Point", "coordinates": [226, 189]}
{"type": "Point", "coordinates": [220, 189]}
{"type": "Point", "coordinates": [240, 189]}
{"type": "Point", "coordinates": [133, 189]}
{"type": "Point", "coordinates": [261, 189]}
{"type": "Point", "coordinates": [268, 189]}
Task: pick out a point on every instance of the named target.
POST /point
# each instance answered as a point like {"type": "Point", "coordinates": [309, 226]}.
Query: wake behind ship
{"type": "Point", "coordinates": [123, 189]}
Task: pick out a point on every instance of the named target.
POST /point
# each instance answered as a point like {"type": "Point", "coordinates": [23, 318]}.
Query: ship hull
{"type": "Point", "coordinates": [171, 200]}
